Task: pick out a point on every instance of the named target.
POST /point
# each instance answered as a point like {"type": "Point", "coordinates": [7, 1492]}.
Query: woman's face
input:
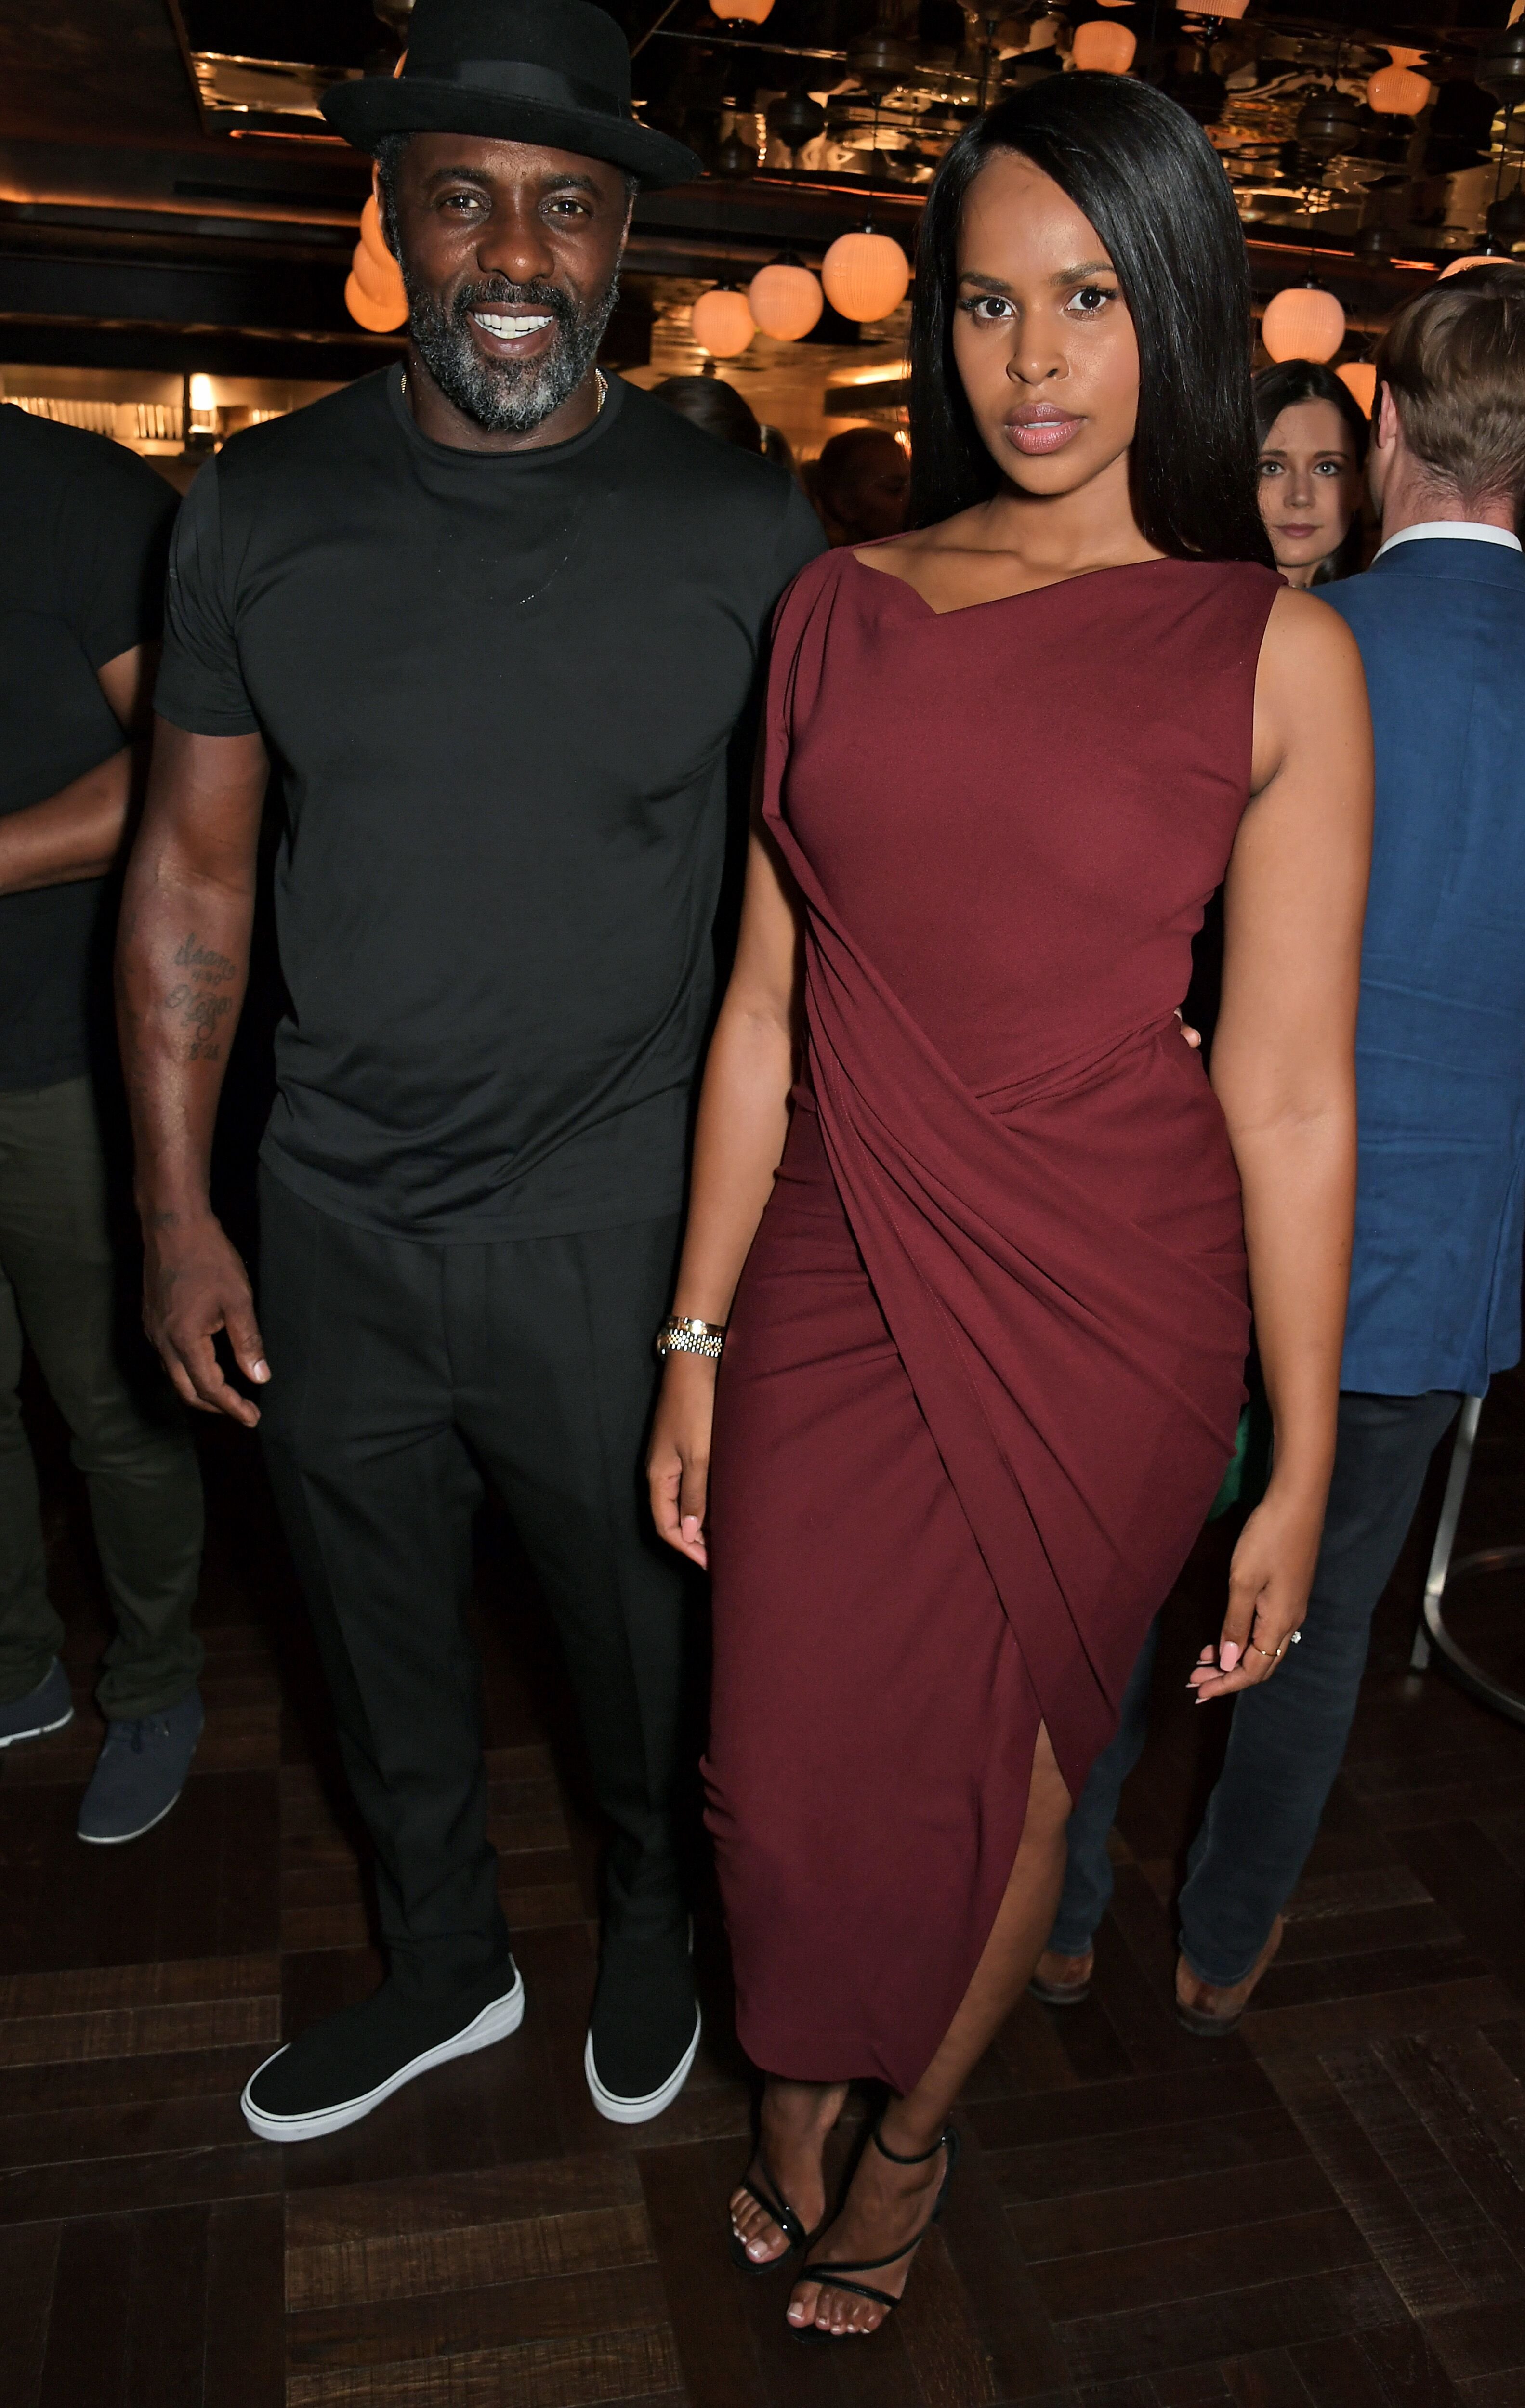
{"type": "Point", "coordinates": [1043, 340]}
{"type": "Point", "coordinates": [1310, 485]}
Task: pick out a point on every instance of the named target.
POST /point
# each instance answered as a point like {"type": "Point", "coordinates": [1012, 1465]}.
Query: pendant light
{"type": "Point", "coordinates": [1476, 259]}
{"type": "Point", "coordinates": [747, 12]}
{"type": "Point", "coordinates": [1359, 377]}
{"type": "Point", "coordinates": [1396, 91]}
{"type": "Point", "coordinates": [720, 323]}
{"type": "Point", "coordinates": [786, 299]}
{"type": "Point", "coordinates": [1100, 48]}
{"type": "Point", "coordinates": [373, 290]}
{"type": "Point", "coordinates": [865, 275]}
{"type": "Point", "coordinates": [1303, 322]}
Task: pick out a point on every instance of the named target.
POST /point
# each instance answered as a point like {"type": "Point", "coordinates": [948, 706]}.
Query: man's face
{"type": "Point", "coordinates": [510, 256]}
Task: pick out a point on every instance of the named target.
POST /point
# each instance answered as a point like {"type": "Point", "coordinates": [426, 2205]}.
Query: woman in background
{"type": "Point", "coordinates": [1312, 460]}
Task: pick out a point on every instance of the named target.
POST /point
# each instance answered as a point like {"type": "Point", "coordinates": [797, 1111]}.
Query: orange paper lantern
{"type": "Point", "coordinates": [721, 323]}
{"type": "Point", "coordinates": [750, 12]}
{"type": "Point", "coordinates": [1104, 49]}
{"type": "Point", "coordinates": [1359, 378]}
{"type": "Point", "coordinates": [865, 275]}
{"type": "Point", "coordinates": [373, 290]}
{"type": "Point", "coordinates": [371, 236]}
{"type": "Point", "coordinates": [377, 317]}
{"type": "Point", "coordinates": [786, 300]}
{"type": "Point", "coordinates": [1304, 323]}
{"type": "Point", "coordinates": [1396, 91]}
{"type": "Point", "coordinates": [1213, 8]}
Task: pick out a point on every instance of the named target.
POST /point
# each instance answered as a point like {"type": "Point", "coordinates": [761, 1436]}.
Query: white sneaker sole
{"type": "Point", "coordinates": [641, 2111]}
{"type": "Point", "coordinates": [494, 2023]}
{"type": "Point", "coordinates": [43, 1730]}
{"type": "Point", "coordinates": [115, 1839]}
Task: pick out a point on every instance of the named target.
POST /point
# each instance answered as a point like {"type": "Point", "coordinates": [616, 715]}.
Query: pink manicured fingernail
{"type": "Point", "coordinates": [1228, 1654]}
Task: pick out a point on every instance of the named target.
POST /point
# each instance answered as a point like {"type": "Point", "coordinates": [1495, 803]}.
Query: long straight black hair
{"type": "Point", "coordinates": [1151, 184]}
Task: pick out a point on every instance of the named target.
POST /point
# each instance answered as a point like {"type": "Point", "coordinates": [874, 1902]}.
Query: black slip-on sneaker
{"type": "Point", "coordinates": [45, 1708]}
{"type": "Point", "coordinates": [348, 2064]}
{"type": "Point", "coordinates": [139, 1773]}
{"type": "Point", "coordinates": [643, 2033]}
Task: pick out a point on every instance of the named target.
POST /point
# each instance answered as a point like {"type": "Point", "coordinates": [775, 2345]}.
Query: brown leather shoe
{"type": "Point", "coordinates": [1062, 1981]}
{"type": "Point", "coordinates": [1209, 2011]}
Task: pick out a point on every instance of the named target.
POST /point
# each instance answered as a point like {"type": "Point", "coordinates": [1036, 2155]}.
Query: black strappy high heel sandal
{"type": "Point", "coordinates": [782, 2215]}
{"type": "Point", "coordinates": [835, 2276]}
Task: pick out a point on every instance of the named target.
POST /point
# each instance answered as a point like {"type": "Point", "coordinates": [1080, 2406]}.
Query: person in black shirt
{"type": "Point", "coordinates": [83, 531]}
{"type": "Point", "coordinates": [492, 622]}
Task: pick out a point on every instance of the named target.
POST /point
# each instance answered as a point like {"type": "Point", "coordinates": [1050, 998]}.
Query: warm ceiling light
{"type": "Point", "coordinates": [722, 323]}
{"type": "Point", "coordinates": [378, 318]}
{"type": "Point", "coordinates": [373, 290]}
{"type": "Point", "coordinates": [1359, 377]}
{"type": "Point", "coordinates": [1476, 259]}
{"type": "Point", "coordinates": [1304, 323]}
{"type": "Point", "coordinates": [750, 12]}
{"type": "Point", "coordinates": [1396, 91]}
{"type": "Point", "coordinates": [372, 236]}
{"type": "Point", "coordinates": [786, 300]}
{"type": "Point", "coordinates": [1212, 8]}
{"type": "Point", "coordinates": [1103, 50]}
{"type": "Point", "coordinates": [865, 275]}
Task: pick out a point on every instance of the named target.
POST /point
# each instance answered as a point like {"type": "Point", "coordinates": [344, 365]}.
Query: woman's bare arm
{"type": "Point", "coordinates": [743, 1119]}
{"type": "Point", "coordinates": [1284, 1072]}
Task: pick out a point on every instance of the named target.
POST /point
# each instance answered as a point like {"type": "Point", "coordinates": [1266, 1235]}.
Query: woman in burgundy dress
{"type": "Point", "coordinates": [966, 1208]}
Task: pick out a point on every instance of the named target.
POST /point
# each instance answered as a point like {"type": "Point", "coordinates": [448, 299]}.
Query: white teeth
{"type": "Point", "coordinates": [509, 329]}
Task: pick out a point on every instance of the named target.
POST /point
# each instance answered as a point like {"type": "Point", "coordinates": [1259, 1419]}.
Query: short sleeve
{"type": "Point", "coordinates": [118, 515]}
{"type": "Point", "coordinates": [201, 686]}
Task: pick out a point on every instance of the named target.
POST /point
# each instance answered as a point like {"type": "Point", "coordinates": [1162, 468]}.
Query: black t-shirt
{"type": "Point", "coordinates": [84, 527]}
{"type": "Point", "coordinates": [499, 693]}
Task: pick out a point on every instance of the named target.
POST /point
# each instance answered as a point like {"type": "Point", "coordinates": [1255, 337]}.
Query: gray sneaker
{"type": "Point", "coordinates": [139, 1772]}
{"type": "Point", "coordinates": [45, 1708]}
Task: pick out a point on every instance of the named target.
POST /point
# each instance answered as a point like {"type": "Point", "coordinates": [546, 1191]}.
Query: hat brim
{"type": "Point", "coordinates": [369, 107]}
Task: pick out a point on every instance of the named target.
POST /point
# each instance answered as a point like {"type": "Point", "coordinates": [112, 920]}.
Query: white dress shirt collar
{"type": "Point", "coordinates": [1450, 531]}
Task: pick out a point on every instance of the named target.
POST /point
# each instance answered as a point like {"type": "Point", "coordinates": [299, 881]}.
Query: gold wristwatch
{"type": "Point", "coordinates": [678, 1337]}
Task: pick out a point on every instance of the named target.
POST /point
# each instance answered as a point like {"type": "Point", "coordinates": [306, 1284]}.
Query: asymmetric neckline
{"type": "Point", "coordinates": [1029, 592]}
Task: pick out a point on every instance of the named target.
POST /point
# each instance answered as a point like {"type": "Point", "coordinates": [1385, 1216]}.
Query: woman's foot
{"type": "Point", "coordinates": [796, 2119]}
{"type": "Point", "coordinates": [886, 2209]}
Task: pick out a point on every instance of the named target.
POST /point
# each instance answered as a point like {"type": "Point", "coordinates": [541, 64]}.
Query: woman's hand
{"type": "Point", "coordinates": [677, 1458]}
{"type": "Point", "coordinates": [1269, 1580]}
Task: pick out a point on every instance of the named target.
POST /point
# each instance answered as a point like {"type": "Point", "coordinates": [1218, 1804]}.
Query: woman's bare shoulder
{"type": "Point", "coordinates": [1305, 638]}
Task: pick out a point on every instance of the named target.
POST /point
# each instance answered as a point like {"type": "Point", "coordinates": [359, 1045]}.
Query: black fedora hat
{"type": "Point", "coordinates": [553, 72]}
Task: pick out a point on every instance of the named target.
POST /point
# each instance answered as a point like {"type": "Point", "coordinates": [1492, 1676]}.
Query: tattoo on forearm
{"type": "Point", "coordinates": [200, 1010]}
{"type": "Point", "coordinates": [203, 961]}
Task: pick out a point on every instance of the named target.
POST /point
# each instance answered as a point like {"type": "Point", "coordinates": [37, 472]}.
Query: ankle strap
{"type": "Point", "coordinates": [920, 2159]}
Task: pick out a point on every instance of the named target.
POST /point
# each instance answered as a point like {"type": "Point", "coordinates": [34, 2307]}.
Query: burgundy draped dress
{"type": "Point", "coordinates": [986, 1360]}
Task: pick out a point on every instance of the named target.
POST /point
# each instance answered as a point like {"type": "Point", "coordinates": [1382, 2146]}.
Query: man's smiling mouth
{"type": "Point", "coordinates": [510, 329]}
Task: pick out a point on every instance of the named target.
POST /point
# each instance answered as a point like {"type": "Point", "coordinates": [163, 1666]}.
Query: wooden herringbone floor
{"type": "Point", "coordinates": [1327, 2210]}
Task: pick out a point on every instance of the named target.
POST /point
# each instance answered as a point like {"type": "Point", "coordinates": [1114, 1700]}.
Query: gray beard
{"type": "Point", "coordinates": [508, 396]}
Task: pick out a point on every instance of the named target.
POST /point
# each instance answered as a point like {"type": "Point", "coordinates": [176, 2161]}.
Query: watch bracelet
{"type": "Point", "coordinates": [684, 1337]}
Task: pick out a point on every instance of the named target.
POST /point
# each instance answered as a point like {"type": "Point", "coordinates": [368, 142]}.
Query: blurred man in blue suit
{"type": "Point", "coordinates": [1435, 1279]}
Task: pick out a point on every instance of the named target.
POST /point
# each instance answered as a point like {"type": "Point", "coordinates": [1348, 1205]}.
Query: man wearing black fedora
{"type": "Point", "coordinates": [488, 623]}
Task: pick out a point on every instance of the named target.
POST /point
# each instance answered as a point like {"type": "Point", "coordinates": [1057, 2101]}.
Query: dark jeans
{"type": "Point", "coordinates": [398, 1367]}
{"type": "Point", "coordinates": [63, 1272]}
{"type": "Point", "coordinates": [1289, 1735]}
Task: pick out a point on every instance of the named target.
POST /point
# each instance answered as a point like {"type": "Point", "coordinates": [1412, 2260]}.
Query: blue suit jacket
{"type": "Point", "coordinates": [1435, 1286]}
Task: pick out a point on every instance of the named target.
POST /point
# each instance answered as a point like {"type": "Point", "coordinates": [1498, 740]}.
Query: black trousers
{"type": "Point", "coordinates": [1288, 1734]}
{"type": "Point", "coordinates": [398, 1367]}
